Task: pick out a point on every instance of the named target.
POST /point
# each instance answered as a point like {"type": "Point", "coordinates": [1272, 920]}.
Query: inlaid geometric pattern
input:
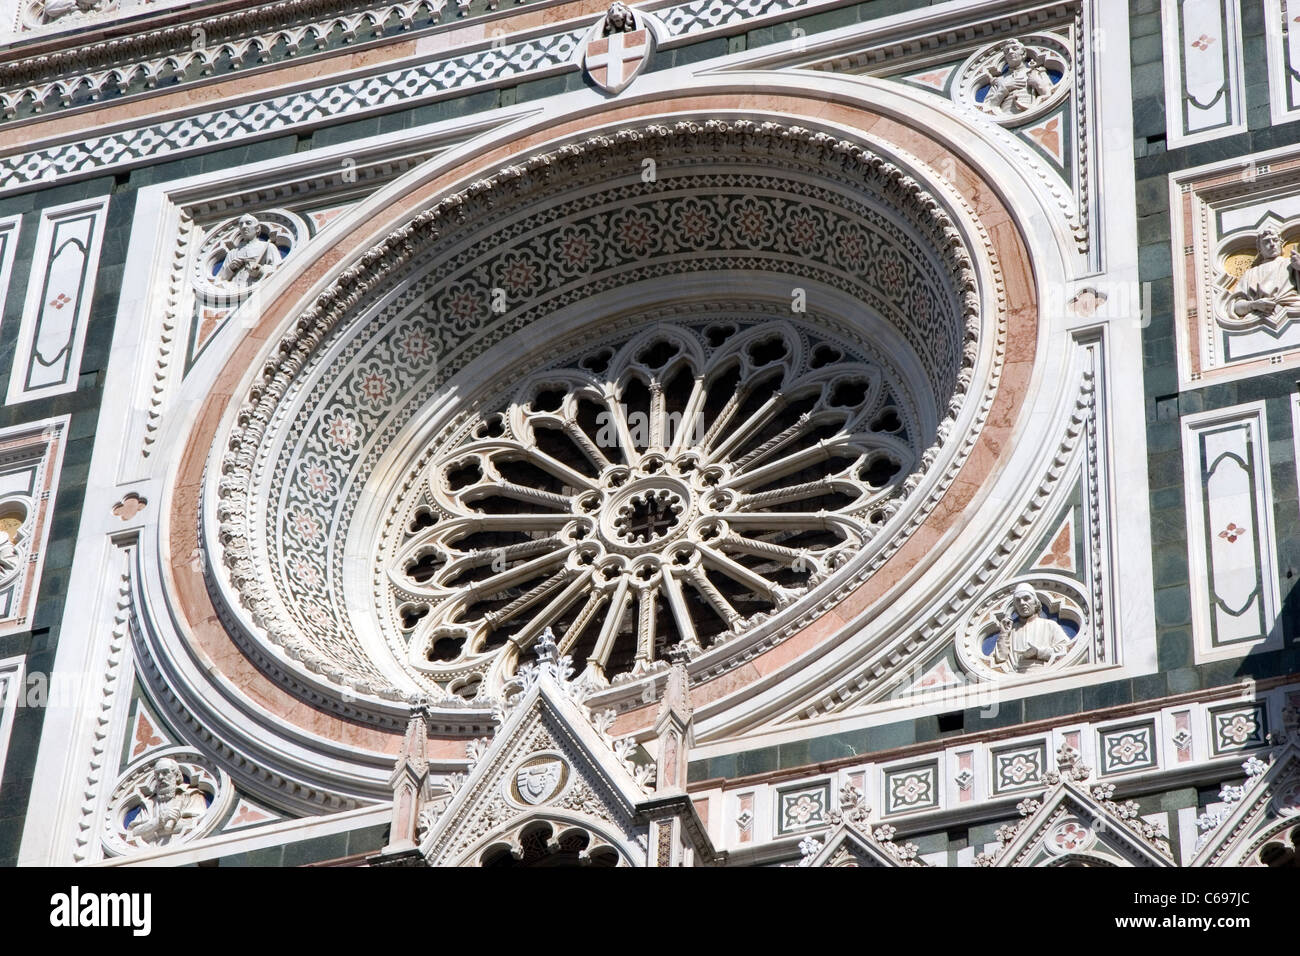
{"type": "Point", "coordinates": [803, 808]}
{"type": "Point", "coordinates": [1230, 540]}
{"type": "Point", "coordinates": [47, 359]}
{"type": "Point", "coordinates": [912, 788]}
{"type": "Point", "coordinates": [1015, 768]}
{"type": "Point", "coordinates": [355, 98]}
{"type": "Point", "coordinates": [1238, 728]}
{"type": "Point", "coordinates": [1122, 749]}
{"type": "Point", "coordinates": [1203, 81]}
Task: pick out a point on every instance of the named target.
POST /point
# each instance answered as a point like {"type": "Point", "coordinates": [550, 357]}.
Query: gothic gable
{"type": "Point", "coordinates": [1263, 824]}
{"type": "Point", "coordinates": [546, 765]}
{"type": "Point", "coordinates": [1071, 826]}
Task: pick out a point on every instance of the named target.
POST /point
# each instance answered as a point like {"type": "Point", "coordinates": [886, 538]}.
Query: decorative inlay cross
{"type": "Point", "coordinates": [1232, 532]}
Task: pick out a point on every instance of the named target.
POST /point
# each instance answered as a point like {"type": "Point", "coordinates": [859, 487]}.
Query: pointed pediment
{"type": "Point", "coordinates": [846, 845]}
{"type": "Point", "coordinates": [1267, 807]}
{"type": "Point", "coordinates": [1074, 827]}
{"type": "Point", "coordinates": [546, 763]}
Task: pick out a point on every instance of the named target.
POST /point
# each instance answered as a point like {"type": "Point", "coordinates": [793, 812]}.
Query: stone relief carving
{"type": "Point", "coordinates": [618, 47]}
{"type": "Point", "coordinates": [14, 536]}
{"type": "Point", "coordinates": [1025, 627]}
{"type": "Point", "coordinates": [174, 798]}
{"type": "Point", "coordinates": [1027, 637]}
{"type": "Point", "coordinates": [1260, 286]}
{"type": "Point", "coordinates": [1016, 80]}
{"type": "Point", "coordinates": [619, 19]}
{"type": "Point", "coordinates": [539, 779]}
{"type": "Point", "coordinates": [240, 253]}
{"type": "Point", "coordinates": [42, 12]}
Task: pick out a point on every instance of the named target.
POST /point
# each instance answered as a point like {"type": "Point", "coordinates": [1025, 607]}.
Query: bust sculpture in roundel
{"type": "Point", "coordinates": [173, 807]}
{"type": "Point", "coordinates": [1029, 639]}
{"type": "Point", "coordinates": [1020, 85]}
{"type": "Point", "coordinates": [249, 257]}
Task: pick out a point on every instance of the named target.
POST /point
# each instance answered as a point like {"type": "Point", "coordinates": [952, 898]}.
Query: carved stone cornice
{"type": "Point", "coordinates": [129, 55]}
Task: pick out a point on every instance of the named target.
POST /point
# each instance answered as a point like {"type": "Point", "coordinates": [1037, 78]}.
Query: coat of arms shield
{"type": "Point", "coordinates": [617, 48]}
{"type": "Point", "coordinates": [538, 779]}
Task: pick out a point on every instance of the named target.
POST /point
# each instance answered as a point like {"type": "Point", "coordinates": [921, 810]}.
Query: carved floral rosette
{"type": "Point", "coordinates": [1235, 254]}
{"type": "Point", "coordinates": [133, 796]}
{"type": "Point", "coordinates": [1045, 51]}
{"type": "Point", "coordinates": [1070, 835]}
{"type": "Point", "coordinates": [283, 229]}
{"type": "Point", "coordinates": [1060, 599]}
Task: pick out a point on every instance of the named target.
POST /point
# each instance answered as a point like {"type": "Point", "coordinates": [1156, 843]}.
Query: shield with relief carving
{"type": "Point", "coordinates": [538, 779]}
{"type": "Point", "coordinates": [616, 52]}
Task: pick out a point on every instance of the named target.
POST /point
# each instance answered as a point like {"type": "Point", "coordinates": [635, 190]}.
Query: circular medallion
{"type": "Point", "coordinates": [1069, 836]}
{"type": "Point", "coordinates": [539, 779]}
{"type": "Point", "coordinates": [1017, 80]}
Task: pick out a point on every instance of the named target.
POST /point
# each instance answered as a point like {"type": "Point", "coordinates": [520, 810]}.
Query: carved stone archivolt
{"type": "Point", "coordinates": [1026, 627]}
{"type": "Point", "coordinates": [175, 797]}
{"type": "Point", "coordinates": [1016, 80]}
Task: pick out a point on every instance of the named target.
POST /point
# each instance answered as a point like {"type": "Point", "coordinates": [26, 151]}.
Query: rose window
{"type": "Point", "coordinates": [564, 396]}
{"type": "Point", "coordinates": [652, 492]}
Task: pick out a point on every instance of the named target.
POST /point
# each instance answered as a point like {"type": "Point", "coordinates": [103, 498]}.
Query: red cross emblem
{"type": "Point", "coordinates": [615, 60]}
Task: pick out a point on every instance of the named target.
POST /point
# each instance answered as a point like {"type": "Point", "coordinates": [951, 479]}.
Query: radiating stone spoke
{"type": "Point", "coordinates": [560, 470]}
{"type": "Point", "coordinates": [515, 575]}
{"type": "Point", "coordinates": [577, 585]}
{"type": "Point", "coordinates": [677, 604]}
{"type": "Point", "coordinates": [609, 631]}
{"type": "Point", "coordinates": [586, 445]}
{"type": "Point", "coordinates": [714, 597]}
{"type": "Point", "coordinates": [509, 489]}
{"type": "Point", "coordinates": [780, 440]}
{"type": "Point", "coordinates": [687, 430]}
{"type": "Point", "coordinates": [725, 448]}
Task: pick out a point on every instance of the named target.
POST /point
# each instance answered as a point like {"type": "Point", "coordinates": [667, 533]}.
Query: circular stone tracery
{"type": "Point", "coordinates": [647, 513]}
{"type": "Point", "coordinates": [755, 206]}
{"type": "Point", "coordinates": [658, 491]}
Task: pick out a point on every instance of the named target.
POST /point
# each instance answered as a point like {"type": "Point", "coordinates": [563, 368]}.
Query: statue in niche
{"type": "Point", "coordinates": [58, 9]}
{"type": "Point", "coordinates": [1020, 85]}
{"type": "Point", "coordinates": [248, 257]}
{"type": "Point", "coordinates": [1268, 291]}
{"type": "Point", "coordinates": [1029, 639]}
{"type": "Point", "coordinates": [171, 808]}
{"type": "Point", "coordinates": [619, 19]}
